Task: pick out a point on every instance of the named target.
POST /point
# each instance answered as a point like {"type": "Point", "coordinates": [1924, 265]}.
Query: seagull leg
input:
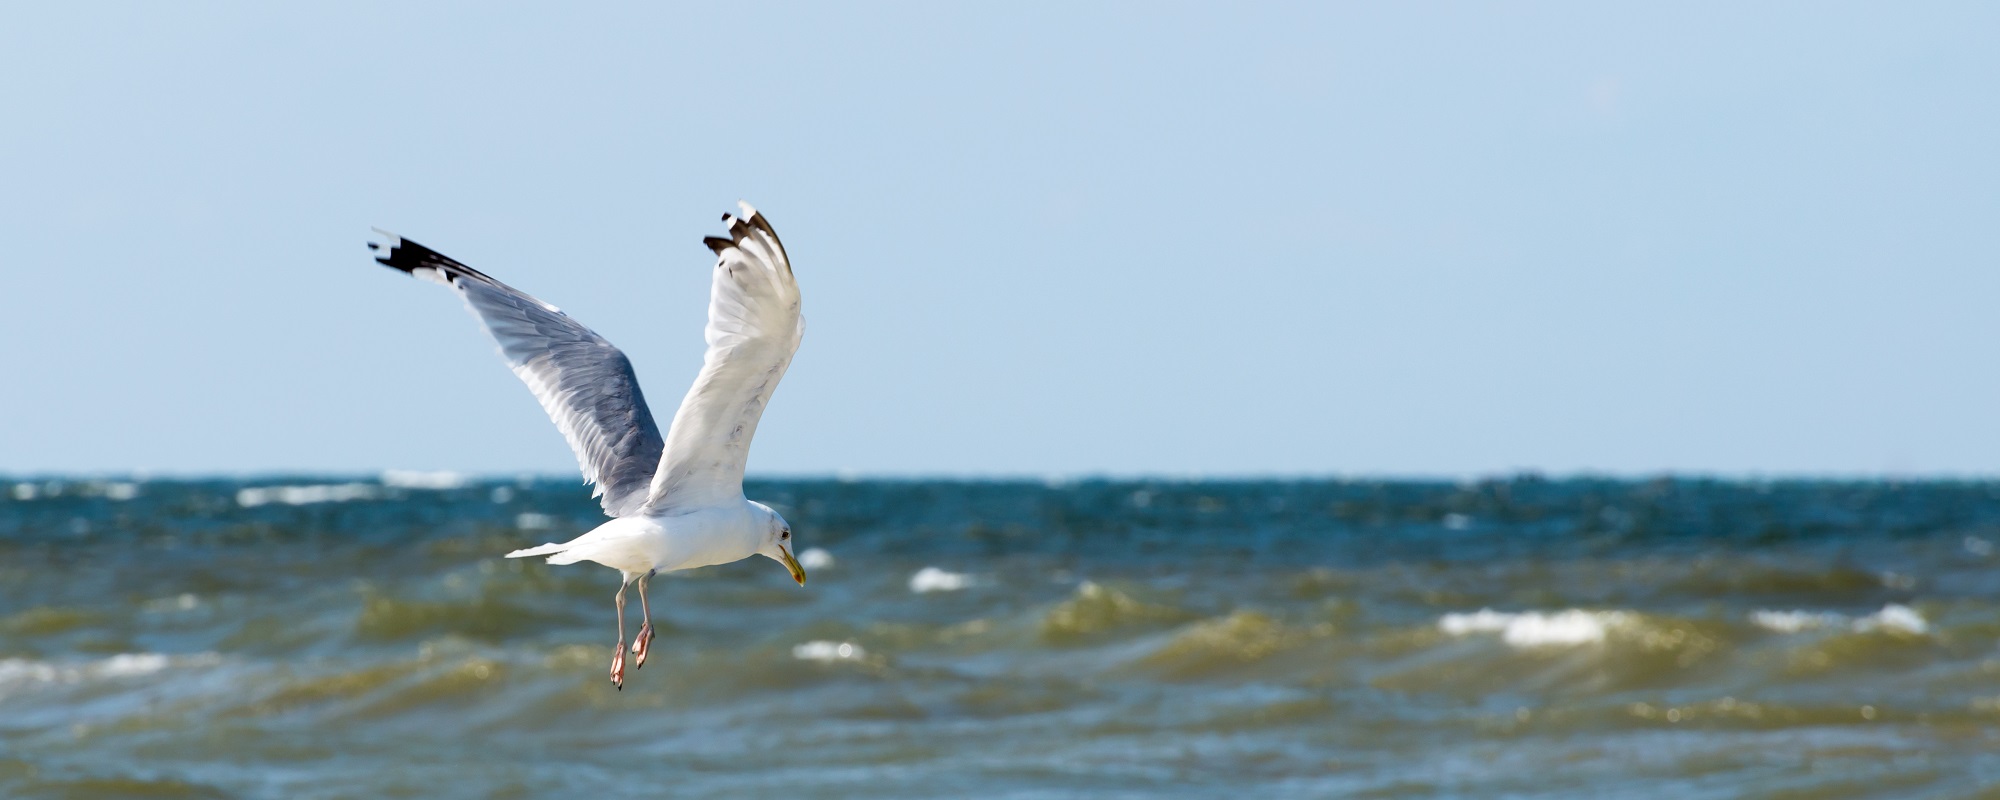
{"type": "Point", "coordinates": [618, 655]}
{"type": "Point", "coordinates": [645, 636]}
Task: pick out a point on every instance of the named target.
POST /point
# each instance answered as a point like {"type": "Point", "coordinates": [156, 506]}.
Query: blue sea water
{"type": "Point", "coordinates": [315, 637]}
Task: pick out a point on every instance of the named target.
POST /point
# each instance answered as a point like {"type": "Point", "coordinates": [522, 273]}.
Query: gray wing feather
{"type": "Point", "coordinates": [586, 385]}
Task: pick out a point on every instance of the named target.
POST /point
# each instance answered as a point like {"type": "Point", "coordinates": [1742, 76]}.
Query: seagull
{"type": "Point", "coordinates": [675, 501]}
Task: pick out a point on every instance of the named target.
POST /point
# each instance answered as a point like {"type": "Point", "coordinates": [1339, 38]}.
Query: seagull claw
{"type": "Point", "coordinates": [639, 645]}
{"type": "Point", "coordinates": [618, 667]}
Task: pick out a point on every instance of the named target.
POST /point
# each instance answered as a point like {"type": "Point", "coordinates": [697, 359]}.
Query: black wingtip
{"type": "Point", "coordinates": [757, 219]}
{"type": "Point", "coordinates": [407, 256]}
{"type": "Point", "coordinates": [741, 228]}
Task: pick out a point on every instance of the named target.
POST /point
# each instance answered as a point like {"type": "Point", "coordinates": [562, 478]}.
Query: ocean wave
{"type": "Point", "coordinates": [1574, 652]}
{"type": "Point", "coordinates": [306, 495]}
{"type": "Point", "coordinates": [126, 786]}
{"type": "Point", "coordinates": [816, 558]}
{"type": "Point", "coordinates": [825, 651]}
{"type": "Point", "coordinates": [17, 671]}
{"type": "Point", "coordinates": [418, 479]}
{"type": "Point", "coordinates": [533, 521]}
{"type": "Point", "coordinates": [1535, 628]}
{"type": "Point", "coordinates": [492, 614]}
{"type": "Point", "coordinates": [48, 620]}
{"type": "Point", "coordinates": [932, 579]}
{"type": "Point", "coordinates": [1727, 576]}
{"type": "Point", "coordinates": [1893, 618]}
{"type": "Point", "coordinates": [376, 690]}
{"type": "Point", "coordinates": [185, 601]}
{"type": "Point", "coordinates": [1095, 608]}
{"type": "Point", "coordinates": [1212, 645]}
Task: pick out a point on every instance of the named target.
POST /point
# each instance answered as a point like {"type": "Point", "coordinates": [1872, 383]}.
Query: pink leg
{"type": "Point", "coordinates": [645, 636]}
{"type": "Point", "coordinates": [618, 656]}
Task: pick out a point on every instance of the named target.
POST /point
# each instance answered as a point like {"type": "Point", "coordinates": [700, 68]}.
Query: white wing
{"type": "Point", "coordinates": [585, 384]}
{"type": "Point", "coordinates": [753, 328]}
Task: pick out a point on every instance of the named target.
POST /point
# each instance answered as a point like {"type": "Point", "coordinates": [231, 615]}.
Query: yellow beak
{"type": "Point", "coordinates": [798, 572]}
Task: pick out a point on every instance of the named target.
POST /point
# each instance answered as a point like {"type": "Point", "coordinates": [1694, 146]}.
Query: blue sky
{"type": "Point", "coordinates": [1409, 239]}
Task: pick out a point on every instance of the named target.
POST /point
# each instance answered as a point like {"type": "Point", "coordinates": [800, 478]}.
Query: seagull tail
{"type": "Point", "coordinates": [539, 551]}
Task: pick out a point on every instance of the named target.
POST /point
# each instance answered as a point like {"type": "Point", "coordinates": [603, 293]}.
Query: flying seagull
{"type": "Point", "coordinates": [676, 501]}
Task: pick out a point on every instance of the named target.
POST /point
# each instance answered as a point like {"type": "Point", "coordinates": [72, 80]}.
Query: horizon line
{"type": "Point", "coordinates": [410, 477]}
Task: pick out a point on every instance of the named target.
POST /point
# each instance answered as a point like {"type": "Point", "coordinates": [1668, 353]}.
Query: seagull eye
{"type": "Point", "coordinates": [785, 535]}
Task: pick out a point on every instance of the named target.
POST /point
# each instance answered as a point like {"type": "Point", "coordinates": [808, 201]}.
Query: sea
{"type": "Point", "coordinates": [361, 637]}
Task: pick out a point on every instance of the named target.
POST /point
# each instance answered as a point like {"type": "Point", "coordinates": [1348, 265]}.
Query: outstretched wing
{"type": "Point", "coordinates": [585, 384]}
{"type": "Point", "coordinates": [754, 326]}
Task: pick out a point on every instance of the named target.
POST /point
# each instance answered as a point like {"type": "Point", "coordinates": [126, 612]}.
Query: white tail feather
{"type": "Point", "coordinates": [538, 551]}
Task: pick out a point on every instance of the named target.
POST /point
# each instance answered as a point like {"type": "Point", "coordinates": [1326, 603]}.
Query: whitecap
{"type": "Point", "coordinates": [186, 601]}
{"type": "Point", "coordinates": [932, 579]}
{"type": "Point", "coordinates": [531, 521]}
{"type": "Point", "coordinates": [1484, 620]}
{"type": "Point", "coordinates": [123, 665]}
{"type": "Point", "coordinates": [133, 664]}
{"type": "Point", "coordinates": [1795, 621]}
{"type": "Point", "coordinates": [19, 670]}
{"type": "Point", "coordinates": [418, 479]}
{"type": "Point", "coordinates": [1536, 628]}
{"type": "Point", "coordinates": [815, 558]}
{"type": "Point", "coordinates": [1894, 617]}
{"type": "Point", "coordinates": [305, 495]}
{"type": "Point", "coordinates": [826, 651]}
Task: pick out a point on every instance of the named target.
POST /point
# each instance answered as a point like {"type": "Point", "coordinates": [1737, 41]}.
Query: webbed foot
{"type": "Point", "coordinates": [618, 667]}
{"type": "Point", "coordinates": [639, 645]}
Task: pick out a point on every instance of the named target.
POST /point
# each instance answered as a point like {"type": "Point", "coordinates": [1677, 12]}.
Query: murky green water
{"type": "Point", "coordinates": [314, 638]}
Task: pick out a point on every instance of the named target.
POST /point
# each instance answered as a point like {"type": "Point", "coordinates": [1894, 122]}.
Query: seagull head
{"type": "Point", "coordinates": [778, 541]}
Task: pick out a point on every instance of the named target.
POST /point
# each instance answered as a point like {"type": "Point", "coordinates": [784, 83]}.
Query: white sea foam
{"type": "Point", "coordinates": [185, 601]}
{"type": "Point", "coordinates": [1795, 621]}
{"type": "Point", "coordinates": [1484, 620]}
{"type": "Point", "coordinates": [1536, 628]}
{"type": "Point", "coordinates": [26, 491]}
{"type": "Point", "coordinates": [119, 491]}
{"type": "Point", "coordinates": [1894, 617]}
{"type": "Point", "coordinates": [418, 479]}
{"type": "Point", "coordinates": [306, 495]}
{"type": "Point", "coordinates": [815, 558]}
{"type": "Point", "coordinates": [125, 664]}
{"type": "Point", "coordinates": [17, 671]}
{"type": "Point", "coordinates": [825, 651]}
{"type": "Point", "coordinates": [23, 670]}
{"type": "Point", "coordinates": [501, 494]}
{"type": "Point", "coordinates": [932, 579]}
{"type": "Point", "coordinates": [531, 521]}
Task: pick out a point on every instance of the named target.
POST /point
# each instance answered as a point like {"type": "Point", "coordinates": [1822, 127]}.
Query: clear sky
{"type": "Point", "coordinates": [1075, 238]}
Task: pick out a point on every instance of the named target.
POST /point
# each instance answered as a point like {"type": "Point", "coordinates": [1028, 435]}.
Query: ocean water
{"type": "Point", "coordinates": [308, 637]}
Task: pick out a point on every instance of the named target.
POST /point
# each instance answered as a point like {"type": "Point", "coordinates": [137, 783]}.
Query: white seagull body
{"type": "Point", "coordinates": [676, 501]}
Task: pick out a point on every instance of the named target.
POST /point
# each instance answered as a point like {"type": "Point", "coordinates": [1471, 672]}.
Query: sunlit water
{"type": "Point", "coordinates": [360, 638]}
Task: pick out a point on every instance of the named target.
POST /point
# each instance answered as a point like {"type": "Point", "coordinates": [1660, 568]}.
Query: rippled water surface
{"type": "Point", "coordinates": [360, 638]}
